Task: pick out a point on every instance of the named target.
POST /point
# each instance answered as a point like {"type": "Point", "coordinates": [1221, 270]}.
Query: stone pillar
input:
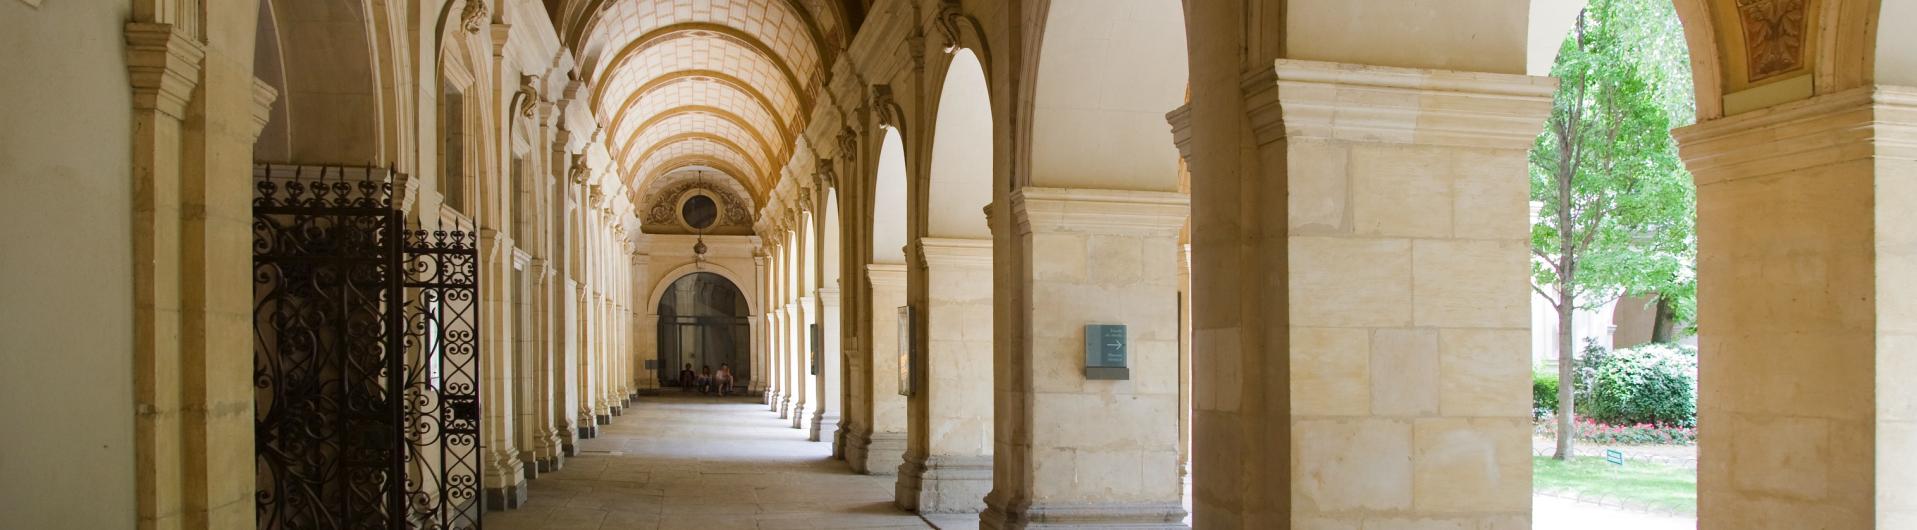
{"type": "Point", "coordinates": [758, 323]}
{"type": "Point", "coordinates": [1184, 361]}
{"type": "Point", "coordinates": [948, 459]}
{"type": "Point", "coordinates": [1407, 268]}
{"type": "Point", "coordinates": [804, 386]}
{"type": "Point", "coordinates": [1806, 287]}
{"type": "Point", "coordinates": [505, 476]}
{"type": "Point", "coordinates": [825, 414]}
{"type": "Point", "coordinates": [1074, 452]}
{"type": "Point", "coordinates": [586, 421]}
{"type": "Point", "coordinates": [548, 438]}
{"type": "Point", "coordinates": [877, 447]}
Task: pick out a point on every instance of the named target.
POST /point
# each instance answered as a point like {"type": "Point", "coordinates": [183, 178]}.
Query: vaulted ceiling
{"type": "Point", "coordinates": [723, 85]}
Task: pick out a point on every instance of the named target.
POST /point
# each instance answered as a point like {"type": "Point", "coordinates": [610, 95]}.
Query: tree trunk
{"type": "Point", "coordinates": [1567, 380]}
{"type": "Point", "coordinates": [1664, 325]}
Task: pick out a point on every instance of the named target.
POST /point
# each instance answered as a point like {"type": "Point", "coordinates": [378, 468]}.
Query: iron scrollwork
{"type": "Point", "coordinates": [345, 302]}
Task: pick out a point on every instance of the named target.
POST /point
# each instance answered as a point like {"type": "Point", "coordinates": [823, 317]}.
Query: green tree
{"type": "Point", "coordinates": [1618, 206]}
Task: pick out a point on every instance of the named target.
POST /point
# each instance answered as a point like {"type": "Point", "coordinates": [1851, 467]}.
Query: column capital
{"type": "Point", "coordinates": [1856, 124]}
{"type": "Point", "coordinates": [263, 97]}
{"type": "Point", "coordinates": [1180, 121]}
{"type": "Point", "coordinates": [1365, 103]}
{"type": "Point", "coordinates": [163, 66]}
{"type": "Point", "coordinates": [953, 251]}
{"type": "Point", "coordinates": [1045, 210]}
{"type": "Point", "coordinates": [885, 274]}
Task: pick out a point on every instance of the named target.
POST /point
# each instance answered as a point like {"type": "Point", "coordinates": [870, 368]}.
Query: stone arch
{"type": "Point", "coordinates": [959, 180]}
{"type": "Point", "coordinates": [665, 282]}
{"type": "Point", "coordinates": [323, 60]}
{"type": "Point", "coordinates": [1115, 68]}
{"type": "Point", "coordinates": [889, 200]}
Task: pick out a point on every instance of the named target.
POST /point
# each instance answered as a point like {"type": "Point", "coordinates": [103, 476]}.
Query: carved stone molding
{"type": "Point", "coordinates": [1364, 103]}
{"type": "Point", "coordinates": [947, 23]}
{"type": "Point", "coordinates": [163, 65]}
{"type": "Point", "coordinates": [474, 16]}
{"type": "Point", "coordinates": [1862, 123]}
{"type": "Point", "coordinates": [1180, 120]}
{"type": "Point", "coordinates": [886, 108]}
{"type": "Point", "coordinates": [828, 178]}
{"type": "Point", "coordinates": [1048, 210]}
{"type": "Point", "coordinates": [263, 96]}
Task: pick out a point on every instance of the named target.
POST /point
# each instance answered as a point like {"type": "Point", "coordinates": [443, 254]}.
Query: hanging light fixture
{"type": "Point", "coordinates": [700, 212]}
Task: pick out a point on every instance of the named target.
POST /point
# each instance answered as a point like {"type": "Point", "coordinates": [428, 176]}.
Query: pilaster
{"type": "Point", "coordinates": [877, 446]}
{"type": "Point", "coordinates": [1808, 419]}
{"type": "Point", "coordinates": [1406, 256]}
{"type": "Point", "coordinates": [1076, 452]}
{"type": "Point", "coordinates": [948, 459]}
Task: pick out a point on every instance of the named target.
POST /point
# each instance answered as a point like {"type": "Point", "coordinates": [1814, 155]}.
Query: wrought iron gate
{"type": "Point", "coordinates": [366, 359]}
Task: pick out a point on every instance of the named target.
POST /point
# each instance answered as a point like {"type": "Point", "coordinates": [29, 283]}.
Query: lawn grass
{"type": "Point", "coordinates": [1658, 486]}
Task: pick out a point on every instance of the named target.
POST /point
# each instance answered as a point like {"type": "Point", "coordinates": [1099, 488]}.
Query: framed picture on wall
{"type": "Point", "coordinates": [907, 358]}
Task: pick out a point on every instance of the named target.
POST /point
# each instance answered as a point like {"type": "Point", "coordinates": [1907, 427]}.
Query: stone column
{"type": "Point", "coordinates": [825, 415]}
{"type": "Point", "coordinates": [548, 390]}
{"type": "Point", "coordinates": [569, 377]}
{"type": "Point", "coordinates": [1807, 271]}
{"type": "Point", "coordinates": [588, 423]}
{"type": "Point", "coordinates": [505, 476]}
{"type": "Point", "coordinates": [801, 356]}
{"type": "Point", "coordinates": [1074, 452]}
{"type": "Point", "coordinates": [877, 447]}
{"type": "Point", "coordinates": [1184, 360]}
{"type": "Point", "coordinates": [1407, 272]}
{"type": "Point", "coordinates": [948, 459]}
{"type": "Point", "coordinates": [758, 324]}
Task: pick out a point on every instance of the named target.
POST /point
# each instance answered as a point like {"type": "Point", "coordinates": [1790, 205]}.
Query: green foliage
{"type": "Point", "coordinates": [1652, 384]}
{"type": "Point", "coordinates": [1544, 394]}
{"type": "Point", "coordinates": [1618, 206]}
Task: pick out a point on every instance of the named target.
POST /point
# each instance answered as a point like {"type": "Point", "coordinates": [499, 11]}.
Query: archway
{"type": "Point", "coordinates": [703, 323]}
{"type": "Point", "coordinates": [950, 404]}
{"type": "Point", "coordinates": [878, 444]}
{"type": "Point", "coordinates": [824, 333]}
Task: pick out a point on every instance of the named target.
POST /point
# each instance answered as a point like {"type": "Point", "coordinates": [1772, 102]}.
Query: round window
{"type": "Point", "coordinates": [699, 212]}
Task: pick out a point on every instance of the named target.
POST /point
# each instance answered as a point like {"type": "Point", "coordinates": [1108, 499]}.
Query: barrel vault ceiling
{"type": "Point", "coordinates": [704, 85]}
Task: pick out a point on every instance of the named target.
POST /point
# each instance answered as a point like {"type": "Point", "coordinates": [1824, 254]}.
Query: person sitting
{"type": "Point", "coordinates": [705, 379]}
{"type": "Point", "coordinates": [687, 378]}
{"type": "Point", "coordinates": [724, 379]}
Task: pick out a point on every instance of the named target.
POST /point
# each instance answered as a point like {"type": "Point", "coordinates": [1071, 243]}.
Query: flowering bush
{"type": "Point", "coordinates": [1544, 394]}
{"type": "Point", "coordinates": [1638, 434]}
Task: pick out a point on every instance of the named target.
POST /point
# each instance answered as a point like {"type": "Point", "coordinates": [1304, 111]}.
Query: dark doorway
{"type": "Point", "coordinates": [703, 322]}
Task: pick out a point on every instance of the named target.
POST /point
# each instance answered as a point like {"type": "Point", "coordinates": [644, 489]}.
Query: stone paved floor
{"type": "Point", "coordinates": [676, 462]}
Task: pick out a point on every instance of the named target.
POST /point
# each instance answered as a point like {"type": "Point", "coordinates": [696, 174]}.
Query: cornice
{"type": "Point", "coordinates": [163, 65]}
{"type": "Point", "coordinates": [1047, 210]}
{"type": "Point", "coordinates": [1364, 103]}
{"type": "Point", "coordinates": [954, 251]}
{"type": "Point", "coordinates": [1863, 123]}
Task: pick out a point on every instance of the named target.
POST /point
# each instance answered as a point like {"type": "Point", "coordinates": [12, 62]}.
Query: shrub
{"type": "Point", "coordinates": [1650, 384]}
{"type": "Point", "coordinates": [1544, 394]}
{"type": "Point", "coordinates": [1638, 434]}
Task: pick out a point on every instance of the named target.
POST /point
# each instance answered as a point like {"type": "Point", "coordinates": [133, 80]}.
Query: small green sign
{"type": "Point", "coordinates": [1615, 457]}
{"type": "Point", "coordinates": [1105, 352]}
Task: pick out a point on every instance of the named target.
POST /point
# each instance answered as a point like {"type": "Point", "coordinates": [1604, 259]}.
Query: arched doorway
{"type": "Point", "coordinates": [703, 322]}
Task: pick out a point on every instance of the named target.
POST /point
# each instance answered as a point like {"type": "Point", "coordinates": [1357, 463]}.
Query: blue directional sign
{"type": "Point", "coordinates": [1105, 352]}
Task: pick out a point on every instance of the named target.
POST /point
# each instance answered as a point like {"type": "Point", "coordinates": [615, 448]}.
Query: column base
{"type": "Point", "coordinates": [603, 419]}
{"type": "Point", "coordinates": [838, 439]}
{"type": "Point", "coordinates": [509, 497]}
{"type": "Point", "coordinates": [617, 410]}
{"type": "Point", "coordinates": [945, 484]}
{"type": "Point", "coordinates": [875, 454]}
{"type": "Point", "coordinates": [798, 416]}
{"type": "Point", "coordinates": [785, 408]}
{"type": "Point", "coordinates": [1115, 515]}
{"type": "Point", "coordinates": [548, 465]}
{"type": "Point", "coordinates": [585, 433]}
{"type": "Point", "coordinates": [529, 465]}
{"type": "Point", "coordinates": [818, 429]}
